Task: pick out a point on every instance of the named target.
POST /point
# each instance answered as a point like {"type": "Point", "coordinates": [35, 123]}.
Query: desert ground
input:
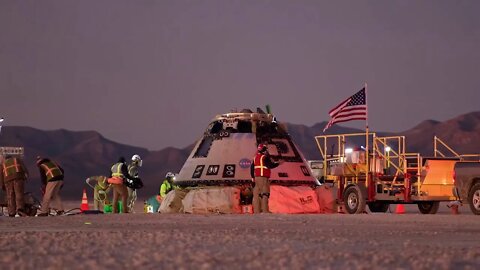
{"type": "Point", "coordinates": [265, 241]}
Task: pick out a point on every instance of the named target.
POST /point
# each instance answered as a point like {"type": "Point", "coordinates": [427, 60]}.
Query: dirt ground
{"type": "Point", "coordinates": [275, 241]}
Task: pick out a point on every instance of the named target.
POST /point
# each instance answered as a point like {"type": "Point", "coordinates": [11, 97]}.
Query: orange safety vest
{"type": "Point", "coordinates": [259, 166]}
{"type": "Point", "coordinates": [9, 165]}
{"type": "Point", "coordinates": [51, 170]}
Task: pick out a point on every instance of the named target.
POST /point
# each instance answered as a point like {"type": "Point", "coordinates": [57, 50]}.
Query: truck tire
{"type": "Point", "coordinates": [378, 207]}
{"type": "Point", "coordinates": [474, 199]}
{"type": "Point", "coordinates": [354, 199]}
{"type": "Point", "coordinates": [428, 207]}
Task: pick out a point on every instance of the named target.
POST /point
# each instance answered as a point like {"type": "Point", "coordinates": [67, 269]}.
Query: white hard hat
{"type": "Point", "coordinates": [137, 159]}
{"type": "Point", "coordinates": [169, 175]}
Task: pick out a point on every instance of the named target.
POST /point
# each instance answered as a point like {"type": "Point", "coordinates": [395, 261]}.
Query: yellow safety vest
{"type": "Point", "coordinates": [117, 170]}
{"type": "Point", "coordinates": [102, 182]}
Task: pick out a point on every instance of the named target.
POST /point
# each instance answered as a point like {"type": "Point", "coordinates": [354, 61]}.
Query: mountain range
{"type": "Point", "coordinates": [88, 153]}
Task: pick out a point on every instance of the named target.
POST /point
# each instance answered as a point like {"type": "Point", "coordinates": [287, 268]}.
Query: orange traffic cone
{"type": "Point", "coordinates": [84, 205]}
{"type": "Point", "coordinates": [400, 209]}
{"type": "Point", "coordinates": [454, 207]}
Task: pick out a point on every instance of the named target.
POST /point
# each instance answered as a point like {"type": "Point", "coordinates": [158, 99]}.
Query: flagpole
{"type": "Point", "coordinates": [366, 104]}
{"type": "Point", "coordinates": [367, 139]}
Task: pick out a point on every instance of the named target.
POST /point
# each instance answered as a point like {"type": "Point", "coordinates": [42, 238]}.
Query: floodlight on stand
{"type": "Point", "coordinates": [388, 149]}
{"type": "Point", "coordinates": [348, 151]}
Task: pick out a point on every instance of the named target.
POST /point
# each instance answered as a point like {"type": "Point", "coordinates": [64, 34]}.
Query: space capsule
{"type": "Point", "coordinates": [224, 154]}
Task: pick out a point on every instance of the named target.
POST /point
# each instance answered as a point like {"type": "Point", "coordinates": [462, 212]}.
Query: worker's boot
{"type": "Point", "coordinates": [22, 213]}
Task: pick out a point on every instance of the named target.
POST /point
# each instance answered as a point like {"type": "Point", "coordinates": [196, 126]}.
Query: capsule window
{"type": "Point", "coordinates": [215, 127]}
{"type": "Point", "coordinates": [204, 147]}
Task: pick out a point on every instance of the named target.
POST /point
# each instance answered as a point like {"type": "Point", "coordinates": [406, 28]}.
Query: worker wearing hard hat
{"type": "Point", "coordinates": [52, 181]}
{"type": "Point", "coordinates": [133, 171]}
{"type": "Point", "coordinates": [260, 172]}
{"type": "Point", "coordinates": [119, 179]}
{"type": "Point", "coordinates": [101, 188]}
{"type": "Point", "coordinates": [166, 186]}
{"type": "Point", "coordinates": [12, 179]}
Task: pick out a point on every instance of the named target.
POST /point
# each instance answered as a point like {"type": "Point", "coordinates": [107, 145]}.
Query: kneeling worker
{"type": "Point", "coordinates": [166, 186]}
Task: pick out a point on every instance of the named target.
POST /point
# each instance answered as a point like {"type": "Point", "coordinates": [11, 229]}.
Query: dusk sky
{"type": "Point", "coordinates": [154, 73]}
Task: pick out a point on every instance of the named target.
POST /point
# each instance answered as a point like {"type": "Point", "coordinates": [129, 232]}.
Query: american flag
{"type": "Point", "coordinates": [353, 108]}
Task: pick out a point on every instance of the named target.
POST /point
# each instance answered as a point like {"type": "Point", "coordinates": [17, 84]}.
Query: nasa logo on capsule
{"type": "Point", "coordinates": [245, 163]}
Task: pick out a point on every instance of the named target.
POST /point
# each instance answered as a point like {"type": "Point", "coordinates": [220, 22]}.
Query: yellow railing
{"type": "Point", "coordinates": [392, 150]}
{"type": "Point", "coordinates": [438, 144]}
{"type": "Point", "coordinates": [416, 159]}
{"type": "Point", "coordinates": [389, 151]}
{"type": "Point", "coordinates": [436, 151]}
{"type": "Point", "coordinates": [337, 144]}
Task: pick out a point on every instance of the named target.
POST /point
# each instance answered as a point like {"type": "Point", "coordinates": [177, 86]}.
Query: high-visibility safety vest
{"type": "Point", "coordinates": [260, 169]}
{"type": "Point", "coordinates": [165, 188]}
{"type": "Point", "coordinates": [101, 183]}
{"type": "Point", "coordinates": [51, 169]}
{"type": "Point", "coordinates": [12, 166]}
{"type": "Point", "coordinates": [117, 170]}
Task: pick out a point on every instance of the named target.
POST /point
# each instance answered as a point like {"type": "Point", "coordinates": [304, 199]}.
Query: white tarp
{"type": "Point", "coordinates": [286, 200]}
{"type": "Point", "coordinates": [293, 200]}
{"type": "Point", "coordinates": [172, 203]}
{"type": "Point", "coordinates": [225, 200]}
